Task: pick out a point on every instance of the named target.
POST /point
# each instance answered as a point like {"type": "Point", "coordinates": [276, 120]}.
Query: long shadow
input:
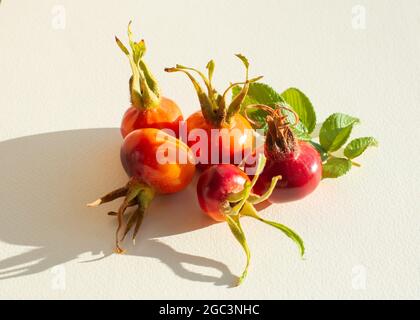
{"type": "Point", "coordinates": [45, 181]}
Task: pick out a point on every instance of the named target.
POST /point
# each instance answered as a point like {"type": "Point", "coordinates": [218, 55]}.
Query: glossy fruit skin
{"type": "Point", "coordinates": [214, 186]}
{"type": "Point", "coordinates": [139, 159]}
{"type": "Point", "coordinates": [301, 173]}
{"type": "Point", "coordinates": [166, 115]}
{"type": "Point", "coordinates": [239, 130]}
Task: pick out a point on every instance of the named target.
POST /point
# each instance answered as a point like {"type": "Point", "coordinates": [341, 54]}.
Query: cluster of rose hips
{"type": "Point", "coordinates": [235, 173]}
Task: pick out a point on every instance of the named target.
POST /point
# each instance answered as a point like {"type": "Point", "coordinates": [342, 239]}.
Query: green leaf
{"type": "Point", "coordinates": [357, 146]}
{"type": "Point", "coordinates": [336, 130]}
{"type": "Point", "coordinates": [335, 167]}
{"type": "Point", "coordinates": [235, 227]}
{"type": "Point", "coordinates": [299, 129]}
{"type": "Point", "coordinates": [259, 93]}
{"type": "Point", "coordinates": [258, 116]}
{"type": "Point", "coordinates": [302, 106]}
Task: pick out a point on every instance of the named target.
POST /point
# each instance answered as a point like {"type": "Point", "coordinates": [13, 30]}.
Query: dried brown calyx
{"type": "Point", "coordinates": [280, 139]}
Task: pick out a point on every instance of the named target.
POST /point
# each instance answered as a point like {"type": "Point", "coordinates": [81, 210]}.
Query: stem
{"type": "Point", "coordinates": [135, 193]}
{"type": "Point", "coordinates": [118, 193]}
{"type": "Point", "coordinates": [356, 164]}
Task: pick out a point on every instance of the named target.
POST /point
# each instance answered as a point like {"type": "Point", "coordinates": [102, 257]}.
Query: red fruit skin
{"type": "Point", "coordinates": [239, 130]}
{"type": "Point", "coordinates": [139, 159]}
{"type": "Point", "coordinates": [301, 173]}
{"type": "Point", "coordinates": [214, 186]}
{"type": "Point", "coordinates": [166, 115]}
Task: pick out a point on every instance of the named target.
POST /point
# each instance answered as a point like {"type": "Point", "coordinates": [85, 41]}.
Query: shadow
{"type": "Point", "coordinates": [45, 182]}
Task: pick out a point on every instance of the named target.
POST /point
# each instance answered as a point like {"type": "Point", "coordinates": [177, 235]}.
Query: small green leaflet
{"type": "Point", "coordinates": [357, 146]}
{"type": "Point", "coordinates": [336, 130]}
{"type": "Point", "coordinates": [302, 106]}
{"type": "Point", "coordinates": [335, 167]}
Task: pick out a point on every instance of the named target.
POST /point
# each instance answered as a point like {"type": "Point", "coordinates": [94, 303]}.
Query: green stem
{"type": "Point", "coordinates": [135, 193]}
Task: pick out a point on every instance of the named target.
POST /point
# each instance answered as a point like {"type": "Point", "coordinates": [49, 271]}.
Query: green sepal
{"type": "Point", "coordinates": [249, 211]}
{"type": "Point", "coordinates": [144, 89]}
{"type": "Point", "coordinates": [255, 199]}
{"type": "Point", "coordinates": [236, 228]}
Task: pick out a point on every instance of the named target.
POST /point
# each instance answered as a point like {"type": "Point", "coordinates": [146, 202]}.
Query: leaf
{"type": "Point", "coordinates": [335, 167]}
{"type": "Point", "coordinates": [235, 227]}
{"type": "Point", "coordinates": [302, 106]}
{"type": "Point", "coordinates": [336, 130]}
{"type": "Point", "coordinates": [357, 146]}
{"type": "Point", "coordinates": [299, 129]}
{"type": "Point", "coordinates": [259, 93]}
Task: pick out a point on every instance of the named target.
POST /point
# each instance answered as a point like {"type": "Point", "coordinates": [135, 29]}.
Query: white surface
{"type": "Point", "coordinates": [364, 224]}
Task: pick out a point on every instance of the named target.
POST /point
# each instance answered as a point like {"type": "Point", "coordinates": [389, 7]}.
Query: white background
{"type": "Point", "coordinates": [361, 231]}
